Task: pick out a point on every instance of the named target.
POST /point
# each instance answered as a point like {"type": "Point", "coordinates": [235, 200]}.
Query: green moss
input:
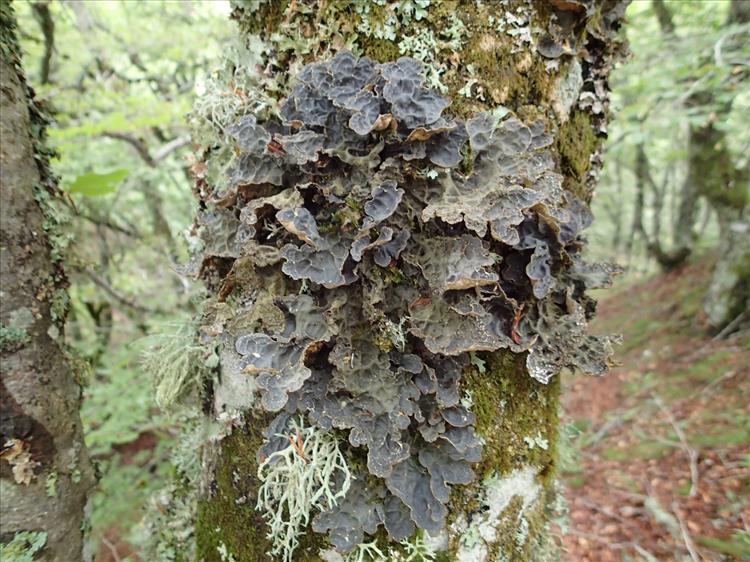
{"type": "Point", "coordinates": [690, 302]}
{"type": "Point", "coordinates": [511, 407]}
{"type": "Point", "coordinates": [254, 18]}
{"type": "Point", "coordinates": [505, 78]}
{"type": "Point", "coordinates": [575, 143]}
{"type": "Point", "coordinates": [12, 337]}
{"type": "Point", "coordinates": [724, 437]}
{"type": "Point", "coordinates": [381, 50]}
{"type": "Point", "coordinates": [740, 293]}
{"type": "Point", "coordinates": [444, 556]}
{"type": "Point", "coordinates": [519, 532]}
{"type": "Point", "coordinates": [222, 517]}
{"type": "Point", "coordinates": [59, 303]}
{"type": "Point", "coordinates": [505, 545]}
{"type": "Point", "coordinates": [575, 482]}
{"type": "Point", "coordinates": [684, 382]}
{"type": "Point", "coordinates": [737, 546]}
{"type": "Point", "coordinates": [23, 547]}
{"type": "Point", "coordinates": [642, 450]}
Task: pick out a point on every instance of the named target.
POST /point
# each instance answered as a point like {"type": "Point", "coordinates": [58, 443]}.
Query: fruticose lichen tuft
{"type": "Point", "coordinates": [309, 473]}
{"type": "Point", "coordinates": [392, 279]}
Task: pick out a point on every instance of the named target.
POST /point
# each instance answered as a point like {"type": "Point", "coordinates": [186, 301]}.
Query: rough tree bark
{"type": "Point", "coordinates": [45, 471]}
{"type": "Point", "coordinates": [546, 61]}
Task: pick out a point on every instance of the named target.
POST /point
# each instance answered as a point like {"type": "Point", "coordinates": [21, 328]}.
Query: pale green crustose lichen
{"type": "Point", "coordinates": [537, 440]}
{"type": "Point", "coordinates": [476, 542]}
{"type": "Point", "coordinates": [12, 335]}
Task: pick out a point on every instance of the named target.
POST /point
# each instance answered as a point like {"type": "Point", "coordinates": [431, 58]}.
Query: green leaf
{"type": "Point", "coordinates": [92, 184]}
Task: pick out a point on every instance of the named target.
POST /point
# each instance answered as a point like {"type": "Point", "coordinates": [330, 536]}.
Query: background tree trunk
{"type": "Point", "coordinates": [683, 228]}
{"type": "Point", "coordinates": [540, 76]}
{"type": "Point", "coordinates": [667, 260]}
{"type": "Point", "coordinates": [727, 190]}
{"type": "Point", "coordinates": [45, 471]}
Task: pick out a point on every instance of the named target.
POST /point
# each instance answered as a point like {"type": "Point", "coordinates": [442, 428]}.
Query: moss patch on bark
{"type": "Point", "coordinates": [516, 415]}
{"type": "Point", "coordinates": [575, 143]}
{"type": "Point", "coordinates": [227, 519]}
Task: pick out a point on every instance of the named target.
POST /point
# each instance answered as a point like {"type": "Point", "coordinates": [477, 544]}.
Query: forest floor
{"type": "Point", "coordinates": [656, 455]}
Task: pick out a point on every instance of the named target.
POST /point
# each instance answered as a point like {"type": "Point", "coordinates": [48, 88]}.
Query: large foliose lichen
{"type": "Point", "coordinates": [380, 242]}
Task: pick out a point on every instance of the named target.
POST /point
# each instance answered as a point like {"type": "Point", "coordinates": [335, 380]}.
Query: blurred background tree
{"type": "Point", "coordinates": [675, 180]}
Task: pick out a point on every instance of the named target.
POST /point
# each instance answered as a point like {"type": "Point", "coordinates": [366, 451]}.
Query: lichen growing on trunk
{"type": "Point", "coordinates": [400, 262]}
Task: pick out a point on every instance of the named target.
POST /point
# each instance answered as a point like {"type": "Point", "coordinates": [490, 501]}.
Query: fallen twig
{"type": "Point", "coordinates": [728, 375]}
{"type": "Point", "coordinates": [604, 430]}
{"type": "Point", "coordinates": [616, 545]}
{"type": "Point", "coordinates": [729, 328]}
{"type": "Point", "coordinates": [112, 549]}
{"type": "Point", "coordinates": [690, 451]}
{"type": "Point", "coordinates": [686, 538]}
{"type": "Point", "coordinates": [603, 510]}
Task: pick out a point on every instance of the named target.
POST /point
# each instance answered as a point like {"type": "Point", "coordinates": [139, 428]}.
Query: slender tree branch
{"type": "Point", "coordinates": [138, 144]}
{"type": "Point", "coordinates": [141, 147]}
{"type": "Point", "coordinates": [171, 146]}
{"type": "Point", "coordinates": [43, 16]}
{"type": "Point", "coordinates": [666, 23]}
{"type": "Point", "coordinates": [112, 226]}
{"type": "Point", "coordinates": [686, 538]}
{"type": "Point", "coordinates": [112, 549]}
{"type": "Point", "coordinates": [115, 294]}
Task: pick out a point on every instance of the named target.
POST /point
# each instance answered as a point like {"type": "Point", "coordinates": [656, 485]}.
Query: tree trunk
{"type": "Point", "coordinates": [726, 188]}
{"type": "Point", "coordinates": [667, 260]}
{"type": "Point", "coordinates": [345, 344]}
{"type": "Point", "coordinates": [727, 301]}
{"type": "Point", "coordinates": [45, 471]}
{"type": "Point", "coordinates": [683, 228]}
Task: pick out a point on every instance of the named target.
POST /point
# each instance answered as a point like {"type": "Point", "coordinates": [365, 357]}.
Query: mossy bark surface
{"type": "Point", "coordinates": [480, 68]}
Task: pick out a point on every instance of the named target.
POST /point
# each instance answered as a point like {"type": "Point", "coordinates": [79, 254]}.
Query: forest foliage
{"type": "Point", "coordinates": [650, 96]}
{"type": "Point", "coordinates": [121, 89]}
